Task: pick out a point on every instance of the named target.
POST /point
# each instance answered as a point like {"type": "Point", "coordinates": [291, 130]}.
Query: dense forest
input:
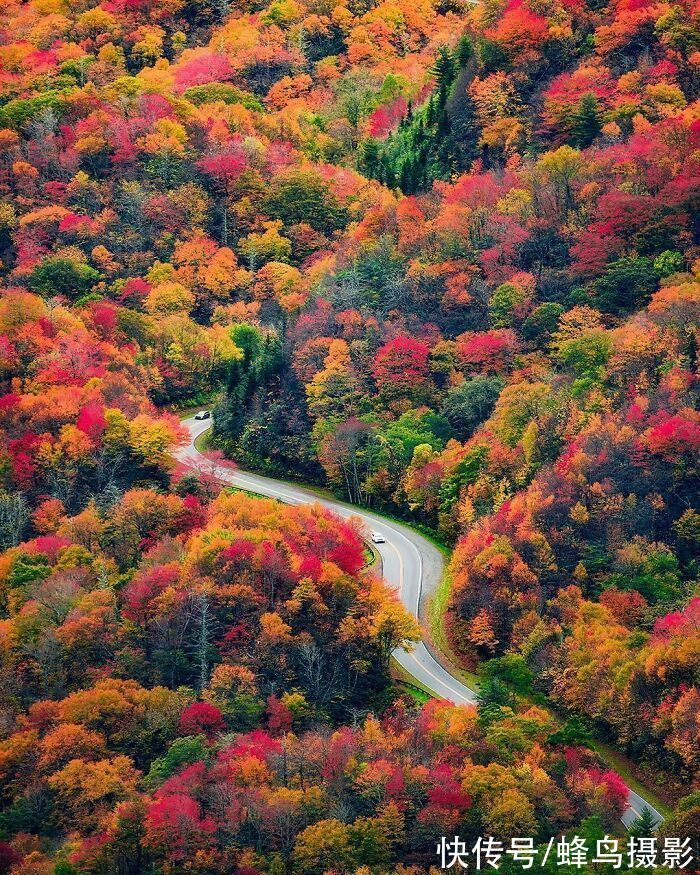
{"type": "Point", "coordinates": [440, 257]}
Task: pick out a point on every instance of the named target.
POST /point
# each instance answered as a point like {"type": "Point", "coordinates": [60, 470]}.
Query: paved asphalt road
{"type": "Point", "coordinates": [411, 564]}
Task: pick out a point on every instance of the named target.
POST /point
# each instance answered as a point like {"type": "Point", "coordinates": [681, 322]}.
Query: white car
{"type": "Point", "coordinates": [378, 538]}
{"type": "Point", "coordinates": [203, 414]}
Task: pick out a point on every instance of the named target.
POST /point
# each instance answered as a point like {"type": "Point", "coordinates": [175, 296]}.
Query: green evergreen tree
{"type": "Point", "coordinates": [370, 156]}
{"type": "Point", "coordinates": [464, 51]}
{"type": "Point", "coordinates": [444, 129]}
{"type": "Point", "coordinates": [430, 112]}
{"type": "Point", "coordinates": [406, 176]}
{"type": "Point", "coordinates": [493, 692]}
{"type": "Point", "coordinates": [586, 123]}
{"type": "Point", "coordinates": [644, 825]}
{"type": "Point", "coordinates": [444, 68]}
{"type": "Point", "coordinates": [574, 733]}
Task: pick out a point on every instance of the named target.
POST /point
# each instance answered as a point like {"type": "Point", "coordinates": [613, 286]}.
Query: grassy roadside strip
{"type": "Point", "coordinates": [201, 442]}
{"type": "Point", "coordinates": [625, 768]}
{"type": "Point", "coordinates": [373, 562]}
{"type": "Point", "coordinates": [435, 611]}
{"type": "Point", "coordinates": [406, 683]}
{"type": "Point", "coordinates": [433, 623]}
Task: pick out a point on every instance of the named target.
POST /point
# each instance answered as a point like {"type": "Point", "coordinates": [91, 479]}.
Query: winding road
{"type": "Point", "coordinates": [411, 565]}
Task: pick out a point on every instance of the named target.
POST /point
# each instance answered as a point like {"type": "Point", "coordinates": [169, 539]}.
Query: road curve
{"type": "Point", "coordinates": [411, 565]}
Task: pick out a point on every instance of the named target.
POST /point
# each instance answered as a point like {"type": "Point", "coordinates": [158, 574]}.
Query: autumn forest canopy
{"type": "Point", "coordinates": [441, 258]}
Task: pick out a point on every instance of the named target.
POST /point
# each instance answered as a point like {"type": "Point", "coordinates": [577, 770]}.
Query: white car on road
{"type": "Point", "coordinates": [203, 414]}
{"type": "Point", "coordinates": [378, 538]}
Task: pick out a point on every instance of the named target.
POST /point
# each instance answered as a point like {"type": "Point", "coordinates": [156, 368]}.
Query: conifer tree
{"type": "Point", "coordinates": [464, 51]}
{"type": "Point", "coordinates": [444, 69]}
{"type": "Point", "coordinates": [586, 124]}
